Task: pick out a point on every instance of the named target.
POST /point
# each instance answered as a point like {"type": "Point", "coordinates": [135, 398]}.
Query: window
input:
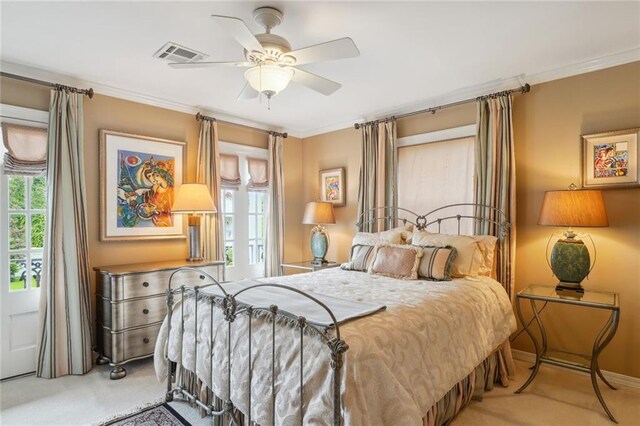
{"type": "Point", "coordinates": [435, 172]}
{"type": "Point", "coordinates": [243, 210]}
{"type": "Point", "coordinates": [26, 215]}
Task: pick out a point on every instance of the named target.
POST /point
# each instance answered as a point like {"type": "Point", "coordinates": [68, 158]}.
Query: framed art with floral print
{"type": "Point", "coordinates": [332, 186]}
{"type": "Point", "coordinates": [139, 177]}
{"type": "Point", "coordinates": [610, 160]}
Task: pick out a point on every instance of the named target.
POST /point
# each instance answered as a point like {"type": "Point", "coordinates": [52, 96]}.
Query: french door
{"type": "Point", "coordinates": [22, 229]}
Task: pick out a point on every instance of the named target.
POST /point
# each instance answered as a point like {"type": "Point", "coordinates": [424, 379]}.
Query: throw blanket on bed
{"type": "Point", "coordinates": [295, 303]}
{"type": "Point", "coordinates": [399, 363]}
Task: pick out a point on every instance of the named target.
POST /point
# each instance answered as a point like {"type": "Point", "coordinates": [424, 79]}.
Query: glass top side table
{"type": "Point", "coordinates": [580, 362]}
{"type": "Point", "coordinates": [307, 265]}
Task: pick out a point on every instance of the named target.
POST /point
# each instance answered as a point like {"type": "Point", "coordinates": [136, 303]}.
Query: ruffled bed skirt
{"type": "Point", "coordinates": [496, 368]}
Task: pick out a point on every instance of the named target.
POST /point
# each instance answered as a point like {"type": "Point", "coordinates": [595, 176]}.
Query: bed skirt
{"type": "Point", "coordinates": [496, 368]}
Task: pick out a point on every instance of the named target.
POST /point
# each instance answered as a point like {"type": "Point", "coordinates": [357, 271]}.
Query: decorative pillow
{"type": "Point", "coordinates": [396, 261]}
{"type": "Point", "coordinates": [436, 263]}
{"type": "Point", "coordinates": [487, 244]}
{"type": "Point", "coordinates": [469, 257]}
{"type": "Point", "coordinates": [392, 236]}
{"type": "Point", "coordinates": [360, 258]}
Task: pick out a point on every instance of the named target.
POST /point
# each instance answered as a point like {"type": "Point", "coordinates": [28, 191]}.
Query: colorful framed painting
{"type": "Point", "coordinates": [332, 186]}
{"type": "Point", "coordinates": [610, 160]}
{"type": "Point", "coordinates": [139, 177]}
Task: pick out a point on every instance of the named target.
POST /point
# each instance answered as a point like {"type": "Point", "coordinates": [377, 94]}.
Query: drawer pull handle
{"type": "Point", "coordinates": [202, 277]}
{"type": "Point", "coordinates": [145, 284]}
{"type": "Point", "coordinates": [145, 340]}
{"type": "Point", "coordinates": [145, 311]}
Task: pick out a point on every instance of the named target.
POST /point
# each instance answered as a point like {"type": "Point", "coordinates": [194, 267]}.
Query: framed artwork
{"type": "Point", "coordinates": [332, 186]}
{"type": "Point", "coordinates": [610, 160]}
{"type": "Point", "coordinates": [139, 177]}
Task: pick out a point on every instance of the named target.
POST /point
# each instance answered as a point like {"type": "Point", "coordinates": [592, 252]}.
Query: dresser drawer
{"type": "Point", "coordinates": [122, 346]}
{"type": "Point", "coordinates": [131, 313]}
{"type": "Point", "coordinates": [140, 342]}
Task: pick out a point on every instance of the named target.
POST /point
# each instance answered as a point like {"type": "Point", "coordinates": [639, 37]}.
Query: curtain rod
{"type": "Point", "coordinates": [200, 117]}
{"type": "Point", "coordinates": [522, 89]}
{"type": "Point", "coordinates": [87, 92]}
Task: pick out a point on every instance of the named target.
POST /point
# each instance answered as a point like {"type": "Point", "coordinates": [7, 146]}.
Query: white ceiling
{"type": "Point", "coordinates": [410, 52]}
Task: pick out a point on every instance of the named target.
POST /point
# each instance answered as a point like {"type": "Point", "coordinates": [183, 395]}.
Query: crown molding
{"type": "Point", "coordinates": [103, 89]}
{"type": "Point", "coordinates": [576, 68]}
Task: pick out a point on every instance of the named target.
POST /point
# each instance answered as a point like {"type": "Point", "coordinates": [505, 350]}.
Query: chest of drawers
{"type": "Point", "coordinates": [131, 305]}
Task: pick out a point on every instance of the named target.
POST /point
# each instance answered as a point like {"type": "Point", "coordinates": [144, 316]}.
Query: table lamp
{"type": "Point", "coordinates": [195, 200]}
{"type": "Point", "coordinates": [570, 261]}
{"type": "Point", "coordinates": [319, 213]}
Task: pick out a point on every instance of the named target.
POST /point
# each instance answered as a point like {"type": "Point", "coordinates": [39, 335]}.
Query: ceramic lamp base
{"type": "Point", "coordinates": [319, 245]}
{"type": "Point", "coordinates": [570, 262]}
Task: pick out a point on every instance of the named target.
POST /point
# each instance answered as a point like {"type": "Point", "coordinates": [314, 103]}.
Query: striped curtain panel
{"type": "Point", "coordinates": [275, 207]}
{"type": "Point", "coordinates": [378, 176]}
{"type": "Point", "coordinates": [496, 179]}
{"type": "Point", "coordinates": [208, 172]}
{"type": "Point", "coordinates": [65, 338]}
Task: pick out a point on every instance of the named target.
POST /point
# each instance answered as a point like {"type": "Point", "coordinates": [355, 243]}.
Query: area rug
{"type": "Point", "coordinates": [157, 413]}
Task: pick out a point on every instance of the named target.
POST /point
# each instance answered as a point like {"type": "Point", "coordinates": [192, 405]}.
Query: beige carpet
{"type": "Point", "coordinates": [557, 397]}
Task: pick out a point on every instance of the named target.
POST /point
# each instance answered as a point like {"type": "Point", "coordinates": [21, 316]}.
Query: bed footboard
{"type": "Point", "coordinates": [231, 308]}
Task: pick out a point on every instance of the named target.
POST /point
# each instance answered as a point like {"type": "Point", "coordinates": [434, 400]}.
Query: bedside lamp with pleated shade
{"type": "Point", "coordinates": [319, 213]}
{"type": "Point", "coordinates": [570, 260]}
{"type": "Point", "coordinates": [194, 199]}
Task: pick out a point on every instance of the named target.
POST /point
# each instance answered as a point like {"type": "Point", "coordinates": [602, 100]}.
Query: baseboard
{"type": "Point", "coordinates": [613, 378]}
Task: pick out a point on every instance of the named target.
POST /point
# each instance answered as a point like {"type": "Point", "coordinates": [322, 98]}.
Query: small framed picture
{"type": "Point", "coordinates": [139, 176]}
{"type": "Point", "coordinates": [332, 186]}
{"type": "Point", "coordinates": [610, 160]}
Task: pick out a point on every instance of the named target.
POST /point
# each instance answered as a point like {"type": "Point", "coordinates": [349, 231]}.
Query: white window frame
{"type": "Point", "coordinates": [241, 267]}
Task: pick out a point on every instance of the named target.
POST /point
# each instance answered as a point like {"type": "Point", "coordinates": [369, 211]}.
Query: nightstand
{"type": "Point", "coordinates": [307, 265]}
{"type": "Point", "coordinates": [131, 305]}
{"type": "Point", "coordinates": [586, 363]}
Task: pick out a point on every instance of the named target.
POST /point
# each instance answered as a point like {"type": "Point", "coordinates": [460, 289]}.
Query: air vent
{"type": "Point", "coordinates": [175, 53]}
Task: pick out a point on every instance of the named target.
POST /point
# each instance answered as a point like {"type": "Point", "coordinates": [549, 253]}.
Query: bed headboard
{"type": "Point", "coordinates": [485, 219]}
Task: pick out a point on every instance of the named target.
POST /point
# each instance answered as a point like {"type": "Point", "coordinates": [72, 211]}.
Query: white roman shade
{"type": "Point", "coordinates": [258, 174]}
{"type": "Point", "coordinates": [26, 149]}
{"type": "Point", "coordinates": [230, 171]}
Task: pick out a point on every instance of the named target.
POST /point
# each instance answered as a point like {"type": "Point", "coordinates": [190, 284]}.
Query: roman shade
{"type": "Point", "coordinates": [258, 174]}
{"type": "Point", "coordinates": [26, 150]}
{"type": "Point", "coordinates": [230, 171]}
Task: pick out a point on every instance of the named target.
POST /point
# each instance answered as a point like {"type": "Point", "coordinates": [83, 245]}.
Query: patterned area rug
{"type": "Point", "coordinates": [153, 414]}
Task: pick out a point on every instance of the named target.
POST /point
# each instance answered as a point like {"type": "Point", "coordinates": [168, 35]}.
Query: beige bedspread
{"type": "Point", "coordinates": [399, 363]}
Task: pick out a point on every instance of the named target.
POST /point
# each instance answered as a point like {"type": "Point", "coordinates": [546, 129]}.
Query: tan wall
{"type": "Point", "coordinates": [548, 123]}
{"type": "Point", "coordinates": [342, 149]}
{"type": "Point", "coordinates": [104, 112]}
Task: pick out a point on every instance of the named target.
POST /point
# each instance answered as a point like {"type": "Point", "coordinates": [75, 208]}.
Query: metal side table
{"type": "Point", "coordinates": [586, 363]}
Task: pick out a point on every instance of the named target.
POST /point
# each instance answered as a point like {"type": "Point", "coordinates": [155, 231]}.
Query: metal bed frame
{"type": "Point", "coordinates": [231, 308]}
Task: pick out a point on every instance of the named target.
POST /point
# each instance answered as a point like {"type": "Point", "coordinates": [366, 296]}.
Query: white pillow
{"type": "Point", "coordinates": [470, 259]}
{"type": "Point", "coordinates": [392, 236]}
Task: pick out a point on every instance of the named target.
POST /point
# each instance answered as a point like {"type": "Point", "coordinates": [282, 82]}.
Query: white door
{"type": "Point", "coordinates": [22, 216]}
{"type": "Point", "coordinates": [244, 220]}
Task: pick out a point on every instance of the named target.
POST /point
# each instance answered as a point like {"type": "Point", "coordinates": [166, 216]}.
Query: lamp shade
{"type": "Point", "coordinates": [318, 213]}
{"type": "Point", "coordinates": [269, 79]}
{"type": "Point", "coordinates": [573, 208]}
{"type": "Point", "coordinates": [193, 198]}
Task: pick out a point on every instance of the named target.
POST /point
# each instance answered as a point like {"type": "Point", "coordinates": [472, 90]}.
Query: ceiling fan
{"type": "Point", "coordinates": [270, 61]}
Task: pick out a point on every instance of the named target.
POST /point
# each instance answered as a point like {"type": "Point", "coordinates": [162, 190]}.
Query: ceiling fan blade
{"type": "Point", "coordinates": [315, 82]}
{"type": "Point", "coordinates": [239, 31]}
{"type": "Point", "coordinates": [337, 49]}
{"type": "Point", "coordinates": [248, 92]}
{"type": "Point", "coordinates": [185, 65]}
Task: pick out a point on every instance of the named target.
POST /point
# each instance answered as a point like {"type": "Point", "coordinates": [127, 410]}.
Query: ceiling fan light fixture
{"type": "Point", "coordinates": [269, 79]}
